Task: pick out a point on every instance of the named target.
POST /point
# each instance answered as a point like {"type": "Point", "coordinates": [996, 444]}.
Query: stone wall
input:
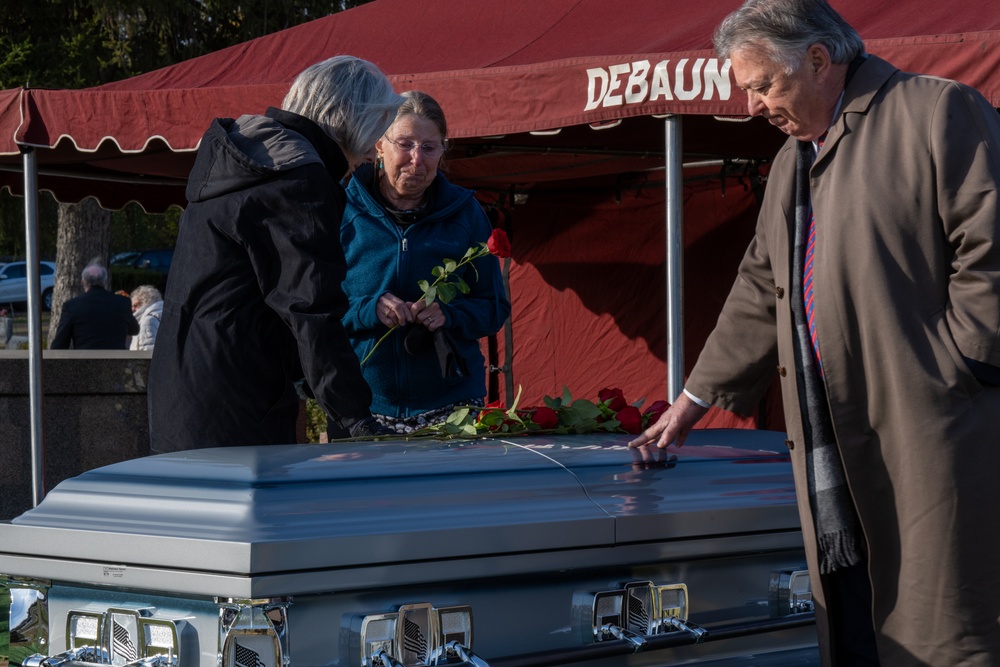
{"type": "Point", "coordinates": [93, 414]}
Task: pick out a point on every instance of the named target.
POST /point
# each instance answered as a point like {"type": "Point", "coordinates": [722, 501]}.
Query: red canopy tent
{"type": "Point", "coordinates": [556, 109]}
{"type": "Point", "coordinates": [498, 68]}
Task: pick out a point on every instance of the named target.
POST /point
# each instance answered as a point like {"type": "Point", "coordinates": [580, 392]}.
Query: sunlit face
{"type": "Point", "coordinates": [410, 172]}
{"type": "Point", "coordinates": [800, 103]}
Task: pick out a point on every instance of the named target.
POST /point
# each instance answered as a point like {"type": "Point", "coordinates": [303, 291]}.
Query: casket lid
{"type": "Point", "coordinates": [249, 511]}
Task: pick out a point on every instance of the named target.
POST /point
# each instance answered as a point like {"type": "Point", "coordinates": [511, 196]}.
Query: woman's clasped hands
{"type": "Point", "coordinates": [394, 312]}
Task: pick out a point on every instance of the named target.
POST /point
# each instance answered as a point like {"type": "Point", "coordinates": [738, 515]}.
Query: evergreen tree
{"type": "Point", "coordinates": [83, 43]}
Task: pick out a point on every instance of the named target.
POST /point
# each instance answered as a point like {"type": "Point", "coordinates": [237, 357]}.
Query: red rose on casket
{"type": "Point", "coordinates": [498, 243]}
{"type": "Point", "coordinates": [613, 398]}
{"type": "Point", "coordinates": [655, 411]}
{"type": "Point", "coordinates": [629, 419]}
{"type": "Point", "coordinates": [545, 417]}
{"type": "Point", "coordinates": [489, 408]}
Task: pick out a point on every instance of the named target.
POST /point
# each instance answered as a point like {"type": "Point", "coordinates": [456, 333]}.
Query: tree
{"type": "Point", "coordinates": [12, 241]}
{"type": "Point", "coordinates": [84, 234]}
{"type": "Point", "coordinates": [80, 43]}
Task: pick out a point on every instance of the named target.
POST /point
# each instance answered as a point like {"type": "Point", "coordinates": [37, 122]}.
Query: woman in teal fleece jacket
{"type": "Point", "coordinates": [403, 218]}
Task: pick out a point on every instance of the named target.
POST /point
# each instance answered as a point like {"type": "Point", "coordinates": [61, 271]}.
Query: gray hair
{"type": "Point", "coordinates": [785, 29]}
{"type": "Point", "coordinates": [422, 105]}
{"type": "Point", "coordinates": [94, 275]}
{"type": "Point", "coordinates": [350, 98]}
{"type": "Point", "coordinates": [145, 295]}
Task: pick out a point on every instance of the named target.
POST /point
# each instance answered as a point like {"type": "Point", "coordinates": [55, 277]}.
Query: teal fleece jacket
{"type": "Point", "coordinates": [383, 257]}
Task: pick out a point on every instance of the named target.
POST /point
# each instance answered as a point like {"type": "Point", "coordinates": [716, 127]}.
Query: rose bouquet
{"type": "Point", "coordinates": [611, 413]}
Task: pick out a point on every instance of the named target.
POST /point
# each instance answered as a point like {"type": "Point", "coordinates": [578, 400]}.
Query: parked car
{"type": "Point", "coordinates": [14, 282]}
{"type": "Point", "coordinates": [525, 551]}
{"type": "Point", "coordinates": [124, 258]}
{"type": "Point", "coordinates": [153, 260]}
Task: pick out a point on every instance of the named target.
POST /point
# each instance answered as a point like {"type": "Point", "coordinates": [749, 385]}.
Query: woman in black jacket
{"type": "Point", "coordinates": [254, 298]}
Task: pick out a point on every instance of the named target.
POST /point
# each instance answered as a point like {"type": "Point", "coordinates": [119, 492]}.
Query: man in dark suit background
{"type": "Point", "coordinates": [97, 319]}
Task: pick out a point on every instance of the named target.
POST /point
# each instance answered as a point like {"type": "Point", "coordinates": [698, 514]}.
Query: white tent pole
{"type": "Point", "coordinates": [675, 255]}
{"type": "Point", "coordinates": [34, 323]}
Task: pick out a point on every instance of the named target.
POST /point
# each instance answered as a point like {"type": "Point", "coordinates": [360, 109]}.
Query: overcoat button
{"type": "Point", "coordinates": [789, 444]}
{"type": "Point", "coordinates": [781, 371]}
{"type": "Point", "coordinates": [779, 291]}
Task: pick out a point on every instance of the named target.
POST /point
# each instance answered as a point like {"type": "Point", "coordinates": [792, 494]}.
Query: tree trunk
{"type": "Point", "coordinates": [84, 236]}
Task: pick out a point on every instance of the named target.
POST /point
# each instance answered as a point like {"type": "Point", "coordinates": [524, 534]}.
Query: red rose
{"type": "Point", "coordinates": [613, 398]}
{"type": "Point", "coordinates": [655, 411]}
{"type": "Point", "coordinates": [499, 244]}
{"type": "Point", "coordinates": [629, 419]}
{"type": "Point", "coordinates": [489, 408]}
{"type": "Point", "coordinates": [545, 417]}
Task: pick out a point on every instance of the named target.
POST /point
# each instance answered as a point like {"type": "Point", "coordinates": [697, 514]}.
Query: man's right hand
{"type": "Point", "coordinates": [673, 426]}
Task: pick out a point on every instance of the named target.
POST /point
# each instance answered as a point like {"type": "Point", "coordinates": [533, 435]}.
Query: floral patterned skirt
{"type": "Point", "coordinates": [405, 425]}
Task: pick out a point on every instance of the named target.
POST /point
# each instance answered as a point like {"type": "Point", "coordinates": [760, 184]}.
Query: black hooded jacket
{"type": "Point", "coordinates": [254, 300]}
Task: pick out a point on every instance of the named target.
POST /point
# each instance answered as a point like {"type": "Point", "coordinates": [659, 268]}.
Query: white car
{"type": "Point", "coordinates": [14, 283]}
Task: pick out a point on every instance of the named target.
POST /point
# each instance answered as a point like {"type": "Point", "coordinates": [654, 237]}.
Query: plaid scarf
{"type": "Point", "coordinates": [838, 530]}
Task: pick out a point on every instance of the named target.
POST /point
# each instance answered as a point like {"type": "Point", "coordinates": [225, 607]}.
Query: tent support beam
{"type": "Point", "coordinates": [101, 176]}
{"type": "Point", "coordinates": [674, 183]}
{"type": "Point", "coordinates": [460, 151]}
{"type": "Point", "coordinates": [34, 323]}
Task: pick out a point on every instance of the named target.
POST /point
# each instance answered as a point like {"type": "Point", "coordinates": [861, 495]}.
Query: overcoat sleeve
{"type": "Point", "coordinates": [740, 356]}
{"type": "Point", "coordinates": [64, 331]}
{"type": "Point", "coordinates": [300, 267]}
{"type": "Point", "coordinates": [966, 145]}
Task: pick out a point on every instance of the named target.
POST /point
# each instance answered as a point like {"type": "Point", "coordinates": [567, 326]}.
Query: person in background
{"type": "Point", "coordinates": [97, 319]}
{"type": "Point", "coordinates": [403, 218]}
{"type": "Point", "coordinates": [872, 286]}
{"type": "Point", "coordinates": [254, 299]}
{"type": "Point", "coordinates": [147, 306]}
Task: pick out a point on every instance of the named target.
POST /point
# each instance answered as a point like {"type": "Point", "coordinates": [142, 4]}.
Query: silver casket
{"type": "Point", "coordinates": [519, 552]}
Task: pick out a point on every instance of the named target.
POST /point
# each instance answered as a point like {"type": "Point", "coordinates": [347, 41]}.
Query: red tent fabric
{"type": "Point", "coordinates": [556, 111]}
{"type": "Point", "coordinates": [498, 68]}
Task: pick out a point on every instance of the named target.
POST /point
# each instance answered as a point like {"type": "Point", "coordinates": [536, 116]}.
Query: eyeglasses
{"type": "Point", "coordinates": [428, 150]}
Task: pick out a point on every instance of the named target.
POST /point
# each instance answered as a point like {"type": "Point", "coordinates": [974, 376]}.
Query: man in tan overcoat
{"type": "Point", "coordinates": [890, 378]}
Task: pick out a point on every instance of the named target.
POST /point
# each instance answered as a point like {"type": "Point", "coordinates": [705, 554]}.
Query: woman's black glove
{"type": "Point", "coordinates": [369, 427]}
{"type": "Point", "coordinates": [420, 339]}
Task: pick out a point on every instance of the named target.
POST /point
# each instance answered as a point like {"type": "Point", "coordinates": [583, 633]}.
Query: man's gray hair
{"type": "Point", "coordinates": [785, 29]}
{"type": "Point", "coordinates": [143, 295]}
{"type": "Point", "coordinates": [350, 98]}
{"type": "Point", "coordinates": [94, 275]}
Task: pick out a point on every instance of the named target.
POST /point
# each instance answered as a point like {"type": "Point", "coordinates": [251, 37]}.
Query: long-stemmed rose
{"type": "Point", "coordinates": [447, 284]}
{"type": "Point", "coordinates": [499, 244]}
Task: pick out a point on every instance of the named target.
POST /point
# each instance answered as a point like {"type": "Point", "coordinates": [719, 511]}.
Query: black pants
{"type": "Point", "coordinates": [849, 601]}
